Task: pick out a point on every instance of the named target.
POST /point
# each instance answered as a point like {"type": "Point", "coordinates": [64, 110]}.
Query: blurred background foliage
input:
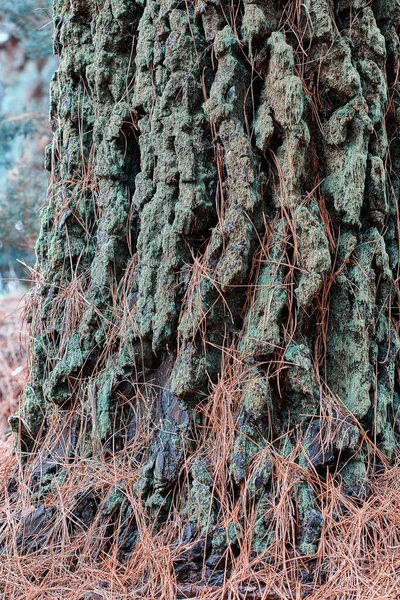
{"type": "Point", "coordinates": [26, 66]}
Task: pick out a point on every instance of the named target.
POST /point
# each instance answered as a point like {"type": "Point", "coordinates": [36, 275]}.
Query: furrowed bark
{"type": "Point", "coordinates": [218, 259]}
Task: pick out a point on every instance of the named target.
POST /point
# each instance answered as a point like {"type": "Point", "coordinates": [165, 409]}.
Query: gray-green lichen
{"type": "Point", "coordinates": [262, 331]}
{"type": "Point", "coordinates": [364, 271]}
{"type": "Point", "coordinates": [314, 253]}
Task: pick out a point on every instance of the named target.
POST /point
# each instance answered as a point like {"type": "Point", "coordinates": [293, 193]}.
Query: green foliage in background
{"type": "Point", "coordinates": [30, 23]}
{"type": "Point", "coordinates": [26, 65]}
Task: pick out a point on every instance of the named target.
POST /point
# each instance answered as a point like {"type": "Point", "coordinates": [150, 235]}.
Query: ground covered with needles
{"type": "Point", "coordinates": [12, 357]}
{"type": "Point", "coordinates": [91, 538]}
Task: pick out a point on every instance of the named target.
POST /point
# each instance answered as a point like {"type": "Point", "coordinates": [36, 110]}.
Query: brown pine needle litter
{"type": "Point", "coordinates": [79, 542]}
{"type": "Point", "coordinates": [12, 357]}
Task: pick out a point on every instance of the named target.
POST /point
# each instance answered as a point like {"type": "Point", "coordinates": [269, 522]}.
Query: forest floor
{"type": "Point", "coordinates": [12, 358]}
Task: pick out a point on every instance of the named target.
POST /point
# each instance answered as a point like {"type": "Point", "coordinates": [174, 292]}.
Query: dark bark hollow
{"type": "Point", "coordinates": [218, 259]}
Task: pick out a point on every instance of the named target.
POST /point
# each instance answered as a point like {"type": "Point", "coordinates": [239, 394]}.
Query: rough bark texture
{"type": "Point", "coordinates": [219, 256]}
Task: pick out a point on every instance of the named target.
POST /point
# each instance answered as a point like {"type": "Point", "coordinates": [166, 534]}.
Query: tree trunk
{"type": "Point", "coordinates": [217, 286]}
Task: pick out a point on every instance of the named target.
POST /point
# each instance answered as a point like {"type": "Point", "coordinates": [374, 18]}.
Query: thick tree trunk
{"type": "Point", "coordinates": [218, 263]}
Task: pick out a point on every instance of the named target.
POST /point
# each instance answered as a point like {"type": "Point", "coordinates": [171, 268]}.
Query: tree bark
{"type": "Point", "coordinates": [217, 286]}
